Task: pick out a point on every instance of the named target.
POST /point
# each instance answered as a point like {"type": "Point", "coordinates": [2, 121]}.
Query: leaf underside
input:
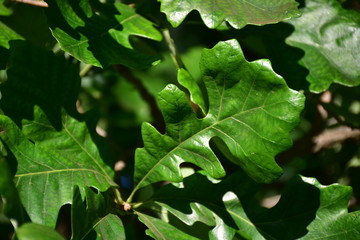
{"type": "Point", "coordinates": [250, 109]}
{"type": "Point", "coordinates": [330, 37]}
{"type": "Point", "coordinates": [237, 13]}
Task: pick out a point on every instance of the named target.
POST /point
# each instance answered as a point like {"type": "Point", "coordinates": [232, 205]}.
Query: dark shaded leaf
{"type": "Point", "coordinates": [99, 34]}
{"type": "Point", "coordinates": [214, 204]}
{"type": "Point", "coordinates": [161, 230]}
{"type": "Point", "coordinates": [97, 222]}
{"type": "Point", "coordinates": [10, 201]}
{"type": "Point", "coordinates": [38, 77]}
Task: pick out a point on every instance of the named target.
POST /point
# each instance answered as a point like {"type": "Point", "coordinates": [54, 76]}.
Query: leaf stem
{"type": "Point", "coordinates": [118, 198]}
{"type": "Point", "coordinates": [85, 70]}
{"type": "Point", "coordinates": [173, 50]}
{"type": "Point", "coordinates": [132, 194]}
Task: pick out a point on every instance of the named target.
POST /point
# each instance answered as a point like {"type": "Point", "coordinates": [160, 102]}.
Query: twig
{"type": "Point", "coordinates": [155, 112]}
{"type": "Point", "coordinates": [37, 3]}
{"type": "Point", "coordinates": [331, 137]}
{"type": "Point", "coordinates": [85, 70]}
{"type": "Point", "coordinates": [173, 50]}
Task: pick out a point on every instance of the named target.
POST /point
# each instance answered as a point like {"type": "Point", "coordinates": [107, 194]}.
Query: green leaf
{"type": "Point", "coordinates": [100, 37]}
{"type": "Point", "coordinates": [6, 35]}
{"type": "Point", "coordinates": [237, 13]}
{"type": "Point", "coordinates": [32, 231]}
{"type": "Point", "coordinates": [222, 211]}
{"type": "Point", "coordinates": [51, 163]}
{"type": "Point", "coordinates": [161, 230]}
{"type": "Point", "coordinates": [329, 35]}
{"type": "Point", "coordinates": [11, 205]}
{"type": "Point", "coordinates": [4, 11]}
{"type": "Point", "coordinates": [38, 77]}
{"type": "Point", "coordinates": [306, 210]}
{"type": "Point", "coordinates": [96, 221]}
{"type": "Point", "coordinates": [250, 108]}
{"type": "Point", "coordinates": [332, 218]}
{"type": "Point", "coordinates": [196, 95]}
{"type": "Point", "coordinates": [307, 203]}
{"type": "Point", "coordinates": [289, 218]}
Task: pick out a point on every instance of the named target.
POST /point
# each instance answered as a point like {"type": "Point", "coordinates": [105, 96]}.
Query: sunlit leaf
{"type": "Point", "coordinates": [237, 13]}
{"type": "Point", "coordinates": [250, 109]}
{"type": "Point", "coordinates": [330, 37]}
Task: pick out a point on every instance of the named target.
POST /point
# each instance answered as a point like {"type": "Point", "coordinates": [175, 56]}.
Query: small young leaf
{"type": "Point", "coordinates": [52, 163]}
{"type": "Point", "coordinates": [330, 37]}
{"type": "Point", "coordinates": [99, 34]}
{"type": "Point", "coordinates": [250, 108]}
{"type": "Point", "coordinates": [237, 13]}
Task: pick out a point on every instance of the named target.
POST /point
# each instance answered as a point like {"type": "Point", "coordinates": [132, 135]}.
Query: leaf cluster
{"type": "Point", "coordinates": [167, 119]}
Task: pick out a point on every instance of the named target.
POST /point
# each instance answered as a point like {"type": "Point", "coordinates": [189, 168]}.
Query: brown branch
{"type": "Point", "coordinates": [331, 137]}
{"type": "Point", "coordinates": [36, 3]}
{"type": "Point", "coordinates": [155, 111]}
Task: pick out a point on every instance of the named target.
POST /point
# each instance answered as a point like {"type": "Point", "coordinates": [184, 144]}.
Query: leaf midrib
{"type": "Point", "coordinates": [84, 149]}
{"type": "Point", "coordinates": [60, 170]}
{"type": "Point", "coordinates": [184, 141]}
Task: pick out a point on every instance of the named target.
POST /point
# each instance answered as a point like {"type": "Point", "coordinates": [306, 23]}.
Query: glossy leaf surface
{"type": "Point", "coordinates": [98, 34]}
{"type": "Point", "coordinates": [330, 37]}
{"type": "Point", "coordinates": [250, 108]}
{"type": "Point", "coordinates": [237, 13]}
{"type": "Point", "coordinates": [51, 163]}
{"type": "Point", "coordinates": [95, 219]}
